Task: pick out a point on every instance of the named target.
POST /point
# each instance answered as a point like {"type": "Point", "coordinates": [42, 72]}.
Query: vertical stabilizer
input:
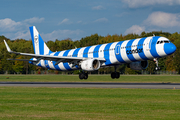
{"type": "Point", "coordinates": [39, 45]}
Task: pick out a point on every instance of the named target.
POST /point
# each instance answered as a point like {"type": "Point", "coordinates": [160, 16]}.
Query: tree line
{"type": "Point", "coordinates": [170, 63]}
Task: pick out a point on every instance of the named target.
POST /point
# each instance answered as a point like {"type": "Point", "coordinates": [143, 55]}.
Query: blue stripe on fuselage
{"type": "Point", "coordinates": [106, 53]}
{"type": "Point", "coordinates": [66, 65]}
{"type": "Point", "coordinates": [96, 51]}
{"type": "Point", "coordinates": [46, 61]}
{"type": "Point", "coordinates": [39, 64]}
{"type": "Point", "coordinates": [46, 64]}
{"type": "Point", "coordinates": [85, 53]}
{"type": "Point", "coordinates": [75, 54]}
{"type": "Point", "coordinates": [56, 66]}
{"type": "Point", "coordinates": [50, 52]}
{"type": "Point", "coordinates": [153, 47]}
{"type": "Point", "coordinates": [129, 50]}
{"type": "Point", "coordinates": [140, 49]}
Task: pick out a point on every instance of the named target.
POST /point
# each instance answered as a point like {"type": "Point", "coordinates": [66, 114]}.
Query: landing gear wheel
{"type": "Point", "coordinates": [83, 75]}
{"type": "Point", "coordinates": [115, 75]}
{"type": "Point", "coordinates": [158, 68]}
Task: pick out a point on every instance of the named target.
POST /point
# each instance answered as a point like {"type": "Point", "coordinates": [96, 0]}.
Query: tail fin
{"type": "Point", "coordinates": [39, 45]}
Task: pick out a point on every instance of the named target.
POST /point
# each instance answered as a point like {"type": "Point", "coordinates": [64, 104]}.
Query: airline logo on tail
{"type": "Point", "coordinates": [36, 40]}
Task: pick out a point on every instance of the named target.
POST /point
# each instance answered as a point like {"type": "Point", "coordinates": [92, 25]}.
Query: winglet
{"type": "Point", "coordinates": [8, 48]}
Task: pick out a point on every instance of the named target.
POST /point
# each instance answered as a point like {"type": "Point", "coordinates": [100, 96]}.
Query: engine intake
{"type": "Point", "coordinates": [90, 65]}
{"type": "Point", "coordinates": [139, 65]}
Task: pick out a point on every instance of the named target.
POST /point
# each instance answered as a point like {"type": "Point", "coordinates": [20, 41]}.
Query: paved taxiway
{"type": "Point", "coordinates": [94, 85]}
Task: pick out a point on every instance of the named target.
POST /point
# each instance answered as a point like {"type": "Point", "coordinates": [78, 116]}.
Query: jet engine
{"type": "Point", "coordinates": [139, 65]}
{"type": "Point", "coordinates": [90, 65]}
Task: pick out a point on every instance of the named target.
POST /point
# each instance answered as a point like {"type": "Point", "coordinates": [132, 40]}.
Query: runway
{"type": "Point", "coordinates": [94, 85]}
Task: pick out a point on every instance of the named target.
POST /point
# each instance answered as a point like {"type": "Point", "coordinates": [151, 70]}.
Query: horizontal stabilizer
{"type": "Point", "coordinates": [22, 60]}
{"type": "Point", "coordinates": [8, 49]}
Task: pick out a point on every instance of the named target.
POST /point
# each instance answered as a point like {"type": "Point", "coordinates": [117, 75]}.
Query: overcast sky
{"type": "Point", "coordinates": [61, 19]}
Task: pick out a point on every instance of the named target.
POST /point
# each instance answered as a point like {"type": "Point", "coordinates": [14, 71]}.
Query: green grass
{"type": "Point", "coordinates": [88, 103]}
{"type": "Point", "coordinates": [92, 78]}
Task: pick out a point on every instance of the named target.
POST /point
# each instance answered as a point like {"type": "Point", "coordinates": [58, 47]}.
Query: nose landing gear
{"type": "Point", "coordinates": [156, 61]}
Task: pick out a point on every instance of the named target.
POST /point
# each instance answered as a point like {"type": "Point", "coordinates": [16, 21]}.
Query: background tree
{"type": "Point", "coordinates": [18, 66]}
{"type": "Point", "coordinates": [151, 67]}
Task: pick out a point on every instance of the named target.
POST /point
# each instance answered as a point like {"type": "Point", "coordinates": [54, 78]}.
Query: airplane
{"type": "Point", "coordinates": [135, 53]}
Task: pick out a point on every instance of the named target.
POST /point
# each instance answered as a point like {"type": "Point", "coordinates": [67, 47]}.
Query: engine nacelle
{"type": "Point", "coordinates": [139, 65]}
{"type": "Point", "coordinates": [90, 65]}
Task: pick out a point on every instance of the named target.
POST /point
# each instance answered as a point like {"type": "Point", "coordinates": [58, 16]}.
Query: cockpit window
{"type": "Point", "coordinates": [166, 41]}
{"type": "Point", "coordinates": [163, 41]}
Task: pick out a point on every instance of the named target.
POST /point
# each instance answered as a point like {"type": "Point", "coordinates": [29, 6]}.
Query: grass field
{"type": "Point", "coordinates": [92, 78]}
{"type": "Point", "coordinates": [20, 103]}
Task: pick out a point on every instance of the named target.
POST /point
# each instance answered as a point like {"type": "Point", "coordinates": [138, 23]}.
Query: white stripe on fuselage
{"type": "Point", "coordinates": [43, 63]}
{"type": "Point", "coordinates": [160, 47]}
{"type": "Point", "coordinates": [51, 63]}
{"type": "Point", "coordinates": [136, 56]}
{"type": "Point", "coordinates": [123, 52]}
{"type": "Point", "coordinates": [146, 48]}
{"type": "Point", "coordinates": [80, 52]}
{"type": "Point", "coordinates": [70, 55]}
{"type": "Point", "coordinates": [101, 52]}
{"type": "Point", "coordinates": [61, 66]}
{"type": "Point", "coordinates": [90, 52]}
{"type": "Point", "coordinates": [112, 56]}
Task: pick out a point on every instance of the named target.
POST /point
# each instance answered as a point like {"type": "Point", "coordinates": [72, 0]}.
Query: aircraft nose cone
{"type": "Point", "coordinates": [169, 48]}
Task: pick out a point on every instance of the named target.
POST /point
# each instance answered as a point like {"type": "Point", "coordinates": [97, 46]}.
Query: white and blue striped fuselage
{"type": "Point", "coordinates": [115, 53]}
{"type": "Point", "coordinates": [134, 52]}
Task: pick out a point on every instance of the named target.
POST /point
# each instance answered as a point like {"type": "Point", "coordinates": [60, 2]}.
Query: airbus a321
{"type": "Point", "coordinates": [134, 53]}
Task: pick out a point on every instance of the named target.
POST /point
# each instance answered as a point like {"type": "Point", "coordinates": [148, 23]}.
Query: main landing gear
{"type": "Point", "coordinates": [83, 75]}
{"type": "Point", "coordinates": [156, 61]}
{"type": "Point", "coordinates": [115, 74]}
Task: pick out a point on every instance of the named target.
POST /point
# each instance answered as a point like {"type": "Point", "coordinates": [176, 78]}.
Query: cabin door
{"type": "Point", "coordinates": [117, 49]}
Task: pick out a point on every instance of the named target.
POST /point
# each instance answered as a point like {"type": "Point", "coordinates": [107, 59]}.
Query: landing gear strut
{"type": "Point", "coordinates": [156, 61]}
{"type": "Point", "coordinates": [83, 75]}
{"type": "Point", "coordinates": [115, 74]}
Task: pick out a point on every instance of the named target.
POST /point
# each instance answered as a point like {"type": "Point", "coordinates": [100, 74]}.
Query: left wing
{"type": "Point", "coordinates": [58, 59]}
